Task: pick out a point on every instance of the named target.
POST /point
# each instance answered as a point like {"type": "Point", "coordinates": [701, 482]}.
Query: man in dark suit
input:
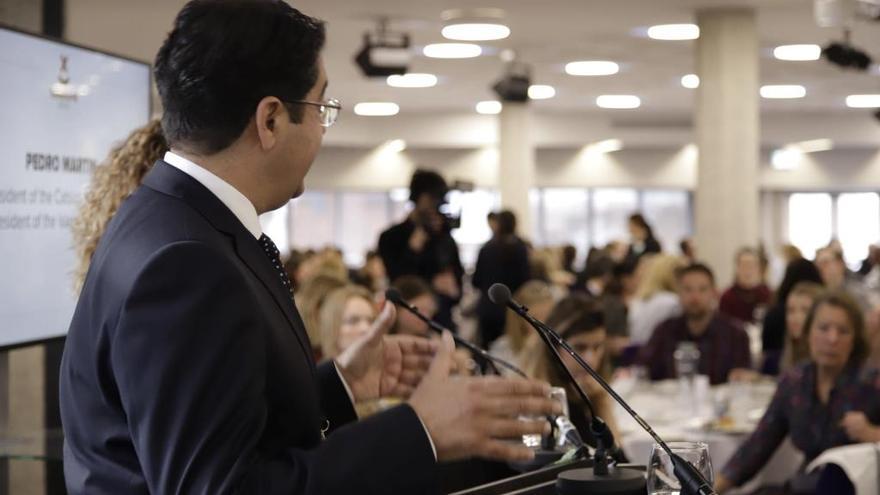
{"type": "Point", "coordinates": [187, 368]}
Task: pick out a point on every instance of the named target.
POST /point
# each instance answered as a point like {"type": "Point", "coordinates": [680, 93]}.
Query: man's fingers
{"type": "Point", "coordinates": [513, 386]}
{"type": "Point", "coordinates": [442, 362]}
{"type": "Point", "coordinates": [504, 451]}
{"type": "Point", "coordinates": [416, 362]}
{"type": "Point", "coordinates": [515, 406]}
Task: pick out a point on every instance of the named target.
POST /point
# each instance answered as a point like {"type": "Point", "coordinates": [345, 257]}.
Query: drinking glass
{"type": "Point", "coordinates": [661, 478]}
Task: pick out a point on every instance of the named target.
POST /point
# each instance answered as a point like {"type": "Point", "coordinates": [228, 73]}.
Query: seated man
{"type": "Point", "coordinates": [724, 346]}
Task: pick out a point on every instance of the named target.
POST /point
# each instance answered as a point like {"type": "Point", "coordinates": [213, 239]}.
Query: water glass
{"type": "Point", "coordinates": [661, 477]}
{"type": "Point", "coordinates": [558, 395]}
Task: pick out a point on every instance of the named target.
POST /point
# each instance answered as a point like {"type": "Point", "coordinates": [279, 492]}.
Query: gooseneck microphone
{"type": "Point", "coordinates": [395, 297]}
{"type": "Point", "coordinates": [692, 481]}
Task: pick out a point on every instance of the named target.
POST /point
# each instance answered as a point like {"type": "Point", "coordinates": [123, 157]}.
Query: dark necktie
{"type": "Point", "coordinates": [274, 255]}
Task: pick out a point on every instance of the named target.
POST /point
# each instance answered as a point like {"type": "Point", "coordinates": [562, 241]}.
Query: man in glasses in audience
{"type": "Point", "coordinates": [187, 368]}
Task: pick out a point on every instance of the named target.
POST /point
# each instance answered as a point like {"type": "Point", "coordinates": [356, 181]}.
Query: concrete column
{"type": "Point", "coordinates": [728, 137]}
{"type": "Point", "coordinates": [516, 160]}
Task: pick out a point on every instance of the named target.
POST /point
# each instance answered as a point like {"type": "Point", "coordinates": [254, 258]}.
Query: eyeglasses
{"type": "Point", "coordinates": [328, 110]}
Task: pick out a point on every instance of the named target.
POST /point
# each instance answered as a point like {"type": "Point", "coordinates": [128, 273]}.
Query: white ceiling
{"type": "Point", "coordinates": [546, 33]}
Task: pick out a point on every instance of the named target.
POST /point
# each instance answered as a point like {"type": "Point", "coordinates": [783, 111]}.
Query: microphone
{"type": "Point", "coordinates": [395, 297]}
{"type": "Point", "coordinates": [692, 481]}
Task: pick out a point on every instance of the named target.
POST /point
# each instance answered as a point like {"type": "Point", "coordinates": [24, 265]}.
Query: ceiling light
{"type": "Point", "coordinates": [690, 81]}
{"type": "Point", "coordinates": [452, 50]}
{"type": "Point", "coordinates": [474, 25]}
{"type": "Point", "coordinates": [797, 53]}
{"type": "Point", "coordinates": [783, 91]}
{"type": "Point", "coordinates": [591, 68]}
{"type": "Point", "coordinates": [395, 145]}
{"type": "Point", "coordinates": [412, 80]}
{"type": "Point", "coordinates": [786, 158]}
{"type": "Point", "coordinates": [608, 146]}
{"type": "Point", "coordinates": [814, 145]}
{"type": "Point", "coordinates": [863, 101]}
{"type": "Point", "coordinates": [619, 102]}
{"type": "Point", "coordinates": [674, 32]}
{"type": "Point", "coordinates": [541, 91]}
{"type": "Point", "coordinates": [489, 107]}
{"type": "Point", "coordinates": [376, 109]}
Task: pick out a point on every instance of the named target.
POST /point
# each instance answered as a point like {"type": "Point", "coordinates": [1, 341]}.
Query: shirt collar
{"type": "Point", "coordinates": [237, 202]}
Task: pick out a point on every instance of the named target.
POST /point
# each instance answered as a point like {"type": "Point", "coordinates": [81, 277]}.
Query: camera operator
{"type": "Point", "coordinates": [422, 244]}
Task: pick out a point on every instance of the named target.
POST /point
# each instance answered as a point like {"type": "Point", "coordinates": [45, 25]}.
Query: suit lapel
{"type": "Point", "coordinates": [169, 180]}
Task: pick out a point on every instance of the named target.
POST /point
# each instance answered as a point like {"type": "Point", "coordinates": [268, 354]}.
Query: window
{"type": "Point", "coordinates": [858, 225]}
{"type": "Point", "coordinates": [566, 219]}
{"type": "Point", "coordinates": [314, 216]}
{"type": "Point", "coordinates": [363, 216]}
{"type": "Point", "coordinates": [668, 213]}
{"type": "Point", "coordinates": [809, 221]}
{"type": "Point", "coordinates": [611, 211]}
{"type": "Point", "coordinates": [472, 207]}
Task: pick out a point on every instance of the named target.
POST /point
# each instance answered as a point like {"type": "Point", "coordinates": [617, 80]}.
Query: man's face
{"type": "Point", "coordinates": [748, 271]}
{"type": "Point", "coordinates": [697, 294]}
{"type": "Point", "coordinates": [300, 144]}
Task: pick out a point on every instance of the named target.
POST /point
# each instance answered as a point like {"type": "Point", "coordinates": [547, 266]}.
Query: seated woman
{"type": "Point", "coordinates": [513, 344]}
{"type": "Point", "coordinates": [830, 400]}
{"type": "Point", "coordinates": [797, 306]}
{"type": "Point", "coordinates": [579, 320]}
{"type": "Point", "coordinates": [346, 315]}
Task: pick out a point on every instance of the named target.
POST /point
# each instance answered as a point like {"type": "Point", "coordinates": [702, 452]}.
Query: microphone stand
{"type": "Point", "coordinates": [692, 481]}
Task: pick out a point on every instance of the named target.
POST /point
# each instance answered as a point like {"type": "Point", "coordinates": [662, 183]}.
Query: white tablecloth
{"type": "Point", "coordinates": [680, 413]}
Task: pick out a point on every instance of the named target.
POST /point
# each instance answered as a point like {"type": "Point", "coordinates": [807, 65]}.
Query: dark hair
{"type": "Point", "coordinates": [799, 270]}
{"type": "Point", "coordinates": [222, 57]}
{"type": "Point", "coordinates": [639, 219]}
{"type": "Point", "coordinates": [427, 182]}
{"type": "Point", "coordinates": [695, 268]}
{"type": "Point", "coordinates": [747, 250]}
{"type": "Point", "coordinates": [576, 314]}
{"type": "Point", "coordinates": [506, 222]}
{"type": "Point", "coordinates": [841, 299]}
{"type": "Point", "coordinates": [569, 254]}
{"type": "Point", "coordinates": [411, 287]}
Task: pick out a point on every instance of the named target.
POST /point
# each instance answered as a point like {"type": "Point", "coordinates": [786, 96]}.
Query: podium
{"type": "Point", "coordinates": [538, 482]}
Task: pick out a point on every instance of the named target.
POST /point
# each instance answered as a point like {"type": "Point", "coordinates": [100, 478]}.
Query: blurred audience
{"type": "Point", "coordinates": [774, 328]}
{"type": "Point", "coordinates": [747, 299]}
{"type": "Point", "coordinates": [415, 291]}
{"type": "Point", "coordinates": [835, 275]}
{"type": "Point", "coordinates": [688, 251]}
{"type": "Point", "coordinates": [310, 296]}
{"type": "Point", "coordinates": [829, 401]}
{"type": "Point", "coordinates": [372, 274]}
{"type": "Point", "coordinates": [655, 299]}
{"type": "Point", "coordinates": [504, 259]}
{"type": "Point", "coordinates": [723, 344]}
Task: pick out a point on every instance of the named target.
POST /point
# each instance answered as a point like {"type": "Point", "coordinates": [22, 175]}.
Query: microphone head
{"type": "Point", "coordinates": [394, 296]}
{"type": "Point", "coordinates": [499, 294]}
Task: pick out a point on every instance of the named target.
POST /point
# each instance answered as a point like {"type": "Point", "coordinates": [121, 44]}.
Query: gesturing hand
{"type": "Point", "coordinates": [378, 365]}
{"type": "Point", "coordinates": [471, 416]}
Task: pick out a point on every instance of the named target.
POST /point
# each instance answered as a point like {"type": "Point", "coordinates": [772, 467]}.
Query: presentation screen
{"type": "Point", "coordinates": [63, 108]}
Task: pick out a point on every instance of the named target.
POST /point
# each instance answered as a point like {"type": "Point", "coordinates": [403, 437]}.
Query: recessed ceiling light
{"type": "Point", "coordinates": [608, 146]}
{"type": "Point", "coordinates": [541, 91]}
{"type": "Point", "coordinates": [783, 91]}
{"type": "Point", "coordinates": [863, 101]}
{"type": "Point", "coordinates": [489, 107]}
{"type": "Point", "coordinates": [786, 158]}
{"type": "Point", "coordinates": [395, 145]}
{"type": "Point", "coordinates": [484, 24]}
{"type": "Point", "coordinates": [814, 145]}
{"type": "Point", "coordinates": [690, 81]}
{"type": "Point", "coordinates": [674, 32]}
{"type": "Point", "coordinates": [376, 109]}
{"type": "Point", "coordinates": [452, 50]}
{"type": "Point", "coordinates": [412, 80]}
{"type": "Point", "coordinates": [619, 102]}
{"type": "Point", "coordinates": [591, 68]}
{"type": "Point", "coordinates": [797, 52]}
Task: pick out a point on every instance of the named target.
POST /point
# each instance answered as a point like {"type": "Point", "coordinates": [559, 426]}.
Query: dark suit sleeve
{"type": "Point", "coordinates": [189, 359]}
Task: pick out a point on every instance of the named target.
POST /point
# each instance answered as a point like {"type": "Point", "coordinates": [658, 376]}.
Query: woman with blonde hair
{"type": "Point", "coordinates": [113, 182]}
{"type": "Point", "coordinates": [655, 299]}
{"type": "Point", "coordinates": [538, 297]}
{"type": "Point", "coordinates": [346, 315]}
{"type": "Point", "coordinates": [310, 297]}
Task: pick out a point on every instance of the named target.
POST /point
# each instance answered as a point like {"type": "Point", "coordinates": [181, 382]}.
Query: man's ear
{"type": "Point", "coordinates": [270, 112]}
